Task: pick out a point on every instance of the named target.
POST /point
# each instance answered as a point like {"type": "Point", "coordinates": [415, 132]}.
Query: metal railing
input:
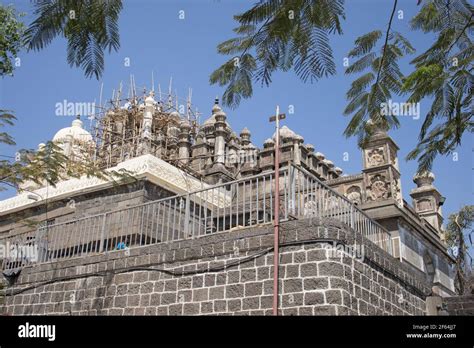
{"type": "Point", "coordinates": [311, 197]}
{"type": "Point", "coordinates": [242, 203]}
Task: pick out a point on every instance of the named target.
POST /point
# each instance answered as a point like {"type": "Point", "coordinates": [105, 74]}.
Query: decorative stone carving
{"type": "Point", "coordinates": [424, 204]}
{"type": "Point", "coordinates": [394, 158]}
{"type": "Point", "coordinates": [353, 194]}
{"type": "Point", "coordinates": [396, 190]}
{"type": "Point", "coordinates": [378, 188]}
{"type": "Point", "coordinates": [375, 157]}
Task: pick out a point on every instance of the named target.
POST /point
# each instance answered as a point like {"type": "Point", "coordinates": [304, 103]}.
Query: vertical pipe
{"type": "Point", "coordinates": [277, 214]}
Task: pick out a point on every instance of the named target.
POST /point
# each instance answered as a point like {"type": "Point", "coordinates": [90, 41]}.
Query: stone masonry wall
{"type": "Point", "coordinates": [225, 273]}
{"type": "Point", "coordinates": [459, 305]}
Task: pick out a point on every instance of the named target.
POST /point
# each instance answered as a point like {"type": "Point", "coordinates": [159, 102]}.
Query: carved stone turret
{"type": "Point", "coordinates": [221, 132]}
{"type": "Point", "coordinates": [199, 152]}
{"type": "Point", "coordinates": [216, 132]}
{"type": "Point", "coordinates": [249, 154]}
{"type": "Point", "coordinates": [427, 200]}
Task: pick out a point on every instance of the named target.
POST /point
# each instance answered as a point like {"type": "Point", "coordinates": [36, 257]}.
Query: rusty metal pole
{"type": "Point", "coordinates": [276, 220]}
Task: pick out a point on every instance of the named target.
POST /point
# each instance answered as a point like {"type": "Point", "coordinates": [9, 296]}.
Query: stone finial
{"type": "Point", "coordinates": [310, 147]}
{"type": "Point", "coordinates": [77, 122]}
{"type": "Point", "coordinates": [245, 137]}
{"type": "Point", "coordinates": [299, 138]}
{"type": "Point", "coordinates": [328, 163]}
{"type": "Point", "coordinates": [376, 127]}
{"type": "Point", "coordinates": [150, 100]}
{"type": "Point", "coordinates": [320, 156]}
{"type": "Point", "coordinates": [245, 132]}
{"type": "Point", "coordinates": [220, 116]}
{"type": "Point", "coordinates": [268, 143]}
{"type": "Point", "coordinates": [185, 126]}
{"type": "Point", "coordinates": [338, 170]}
{"type": "Point", "coordinates": [424, 179]}
{"type": "Point", "coordinates": [216, 108]}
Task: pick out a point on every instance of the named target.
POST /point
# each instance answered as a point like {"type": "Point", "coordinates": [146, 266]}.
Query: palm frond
{"type": "Point", "coordinates": [279, 35]}
{"type": "Point", "coordinates": [90, 27]}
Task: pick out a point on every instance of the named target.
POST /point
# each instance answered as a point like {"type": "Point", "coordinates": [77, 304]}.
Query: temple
{"type": "Point", "coordinates": [194, 180]}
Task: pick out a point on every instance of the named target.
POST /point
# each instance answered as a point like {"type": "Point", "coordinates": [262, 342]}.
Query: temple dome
{"type": "Point", "coordinates": [75, 131]}
{"type": "Point", "coordinates": [285, 133]}
{"type": "Point", "coordinates": [212, 120]}
{"type": "Point", "coordinates": [245, 131]}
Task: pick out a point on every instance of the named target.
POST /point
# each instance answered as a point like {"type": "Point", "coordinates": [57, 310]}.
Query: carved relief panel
{"type": "Point", "coordinates": [353, 194]}
{"type": "Point", "coordinates": [424, 204]}
{"type": "Point", "coordinates": [375, 157]}
{"type": "Point", "coordinates": [378, 187]}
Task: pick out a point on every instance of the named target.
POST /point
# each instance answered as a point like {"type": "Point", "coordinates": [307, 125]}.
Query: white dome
{"type": "Point", "coordinates": [285, 133]}
{"type": "Point", "coordinates": [76, 131]}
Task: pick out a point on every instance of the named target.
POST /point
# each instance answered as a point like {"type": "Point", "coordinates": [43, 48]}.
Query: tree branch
{"type": "Point", "coordinates": [386, 41]}
{"type": "Point", "coordinates": [462, 32]}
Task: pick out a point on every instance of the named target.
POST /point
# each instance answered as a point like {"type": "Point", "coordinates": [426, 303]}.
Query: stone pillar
{"type": "Point", "coordinates": [173, 133]}
{"type": "Point", "coordinates": [310, 155]}
{"type": "Point", "coordinates": [232, 152]}
{"type": "Point", "coordinates": [145, 146]}
{"type": "Point", "coordinates": [148, 116]}
{"type": "Point", "coordinates": [297, 150]}
{"type": "Point", "coordinates": [183, 142]}
{"type": "Point", "coordinates": [244, 142]}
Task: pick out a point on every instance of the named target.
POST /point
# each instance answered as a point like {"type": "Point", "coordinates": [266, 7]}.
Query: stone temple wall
{"type": "Point", "coordinates": [226, 273]}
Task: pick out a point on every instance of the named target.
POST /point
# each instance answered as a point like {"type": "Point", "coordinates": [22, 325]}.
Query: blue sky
{"type": "Point", "coordinates": [154, 38]}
